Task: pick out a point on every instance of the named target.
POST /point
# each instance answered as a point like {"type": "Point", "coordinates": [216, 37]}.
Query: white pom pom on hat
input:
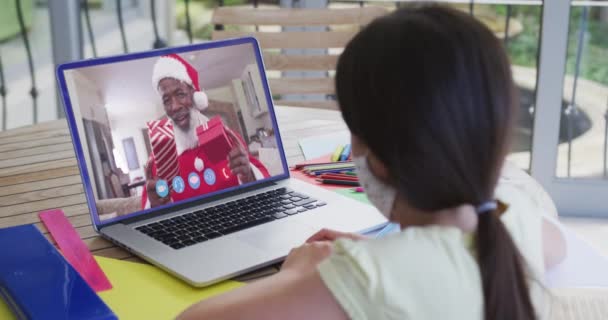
{"type": "Point", "coordinates": [174, 66]}
{"type": "Point", "coordinates": [200, 100]}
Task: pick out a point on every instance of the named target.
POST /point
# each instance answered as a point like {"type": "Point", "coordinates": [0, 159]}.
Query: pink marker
{"type": "Point", "coordinates": [358, 189]}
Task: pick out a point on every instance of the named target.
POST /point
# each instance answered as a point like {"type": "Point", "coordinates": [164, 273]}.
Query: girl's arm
{"type": "Point", "coordinates": [297, 292]}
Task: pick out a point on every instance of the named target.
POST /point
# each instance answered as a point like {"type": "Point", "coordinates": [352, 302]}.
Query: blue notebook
{"type": "Point", "coordinates": [38, 283]}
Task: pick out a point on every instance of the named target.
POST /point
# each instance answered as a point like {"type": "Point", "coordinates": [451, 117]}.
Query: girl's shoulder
{"type": "Point", "coordinates": [396, 276]}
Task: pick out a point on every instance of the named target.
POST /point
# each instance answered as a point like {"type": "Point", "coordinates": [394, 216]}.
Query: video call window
{"type": "Point", "coordinates": [164, 129]}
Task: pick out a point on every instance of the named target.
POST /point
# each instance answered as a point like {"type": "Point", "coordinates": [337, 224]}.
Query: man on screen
{"type": "Point", "coordinates": [176, 82]}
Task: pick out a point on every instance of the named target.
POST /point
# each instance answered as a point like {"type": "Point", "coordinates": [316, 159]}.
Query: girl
{"type": "Point", "coordinates": [428, 96]}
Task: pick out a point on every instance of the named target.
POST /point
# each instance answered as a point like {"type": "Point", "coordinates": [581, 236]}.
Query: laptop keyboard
{"type": "Point", "coordinates": [199, 226]}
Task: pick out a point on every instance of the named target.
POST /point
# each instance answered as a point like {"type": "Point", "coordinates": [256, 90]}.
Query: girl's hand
{"type": "Point", "coordinates": [332, 235]}
{"type": "Point", "coordinates": [307, 256]}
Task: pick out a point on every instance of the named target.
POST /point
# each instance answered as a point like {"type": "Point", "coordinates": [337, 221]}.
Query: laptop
{"type": "Point", "coordinates": [182, 162]}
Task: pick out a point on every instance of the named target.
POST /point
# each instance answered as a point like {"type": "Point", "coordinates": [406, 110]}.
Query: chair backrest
{"type": "Point", "coordinates": [115, 184]}
{"type": "Point", "coordinates": [341, 26]}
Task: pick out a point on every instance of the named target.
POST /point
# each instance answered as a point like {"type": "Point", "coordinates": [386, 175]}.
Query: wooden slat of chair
{"type": "Point", "coordinates": [292, 40]}
{"type": "Point", "coordinates": [332, 38]}
{"type": "Point", "coordinates": [313, 104]}
{"type": "Point", "coordinates": [296, 17]}
{"type": "Point", "coordinates": [301, 85]}
{"type": "Point", "coordinates": [293, 62]}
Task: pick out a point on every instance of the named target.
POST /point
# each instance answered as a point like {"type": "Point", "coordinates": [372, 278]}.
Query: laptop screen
{"type": "Point", "coordinates": [166, 127]}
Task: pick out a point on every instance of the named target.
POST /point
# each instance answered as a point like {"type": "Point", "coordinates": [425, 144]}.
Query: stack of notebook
{"type": "Point", "coordinates": [36, 282]}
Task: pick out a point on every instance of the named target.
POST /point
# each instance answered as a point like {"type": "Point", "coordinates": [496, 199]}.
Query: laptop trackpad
{"type": "Point", "coordinates": [278, 237]}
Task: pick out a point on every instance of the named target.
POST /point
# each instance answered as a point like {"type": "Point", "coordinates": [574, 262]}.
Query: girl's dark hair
{"type": "Point", "coordinates": [429, 90]}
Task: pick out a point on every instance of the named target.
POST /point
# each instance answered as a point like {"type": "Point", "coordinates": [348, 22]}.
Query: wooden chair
{"type": "Point", "coordinates": [342, 25]}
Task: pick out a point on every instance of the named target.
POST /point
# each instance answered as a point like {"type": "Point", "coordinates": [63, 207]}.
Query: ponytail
{"type": "Point", "coordinates": [505, 288]}
{"type": "Point", "coordinates": [451, 138]}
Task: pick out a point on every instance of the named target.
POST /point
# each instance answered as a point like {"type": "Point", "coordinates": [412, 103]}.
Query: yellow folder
{"type": "Point", "coordinates": [142, 291]}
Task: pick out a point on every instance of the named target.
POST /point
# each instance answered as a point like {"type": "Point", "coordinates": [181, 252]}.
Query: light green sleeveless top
{"type": "Point", "coordinates": [431, 272]}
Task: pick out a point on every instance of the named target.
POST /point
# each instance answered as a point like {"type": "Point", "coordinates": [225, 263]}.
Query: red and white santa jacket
{"type": "Point", "coordinates": [193, 161]}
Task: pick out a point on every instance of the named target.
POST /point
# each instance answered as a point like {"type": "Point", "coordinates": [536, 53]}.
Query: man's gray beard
{"type": "Point", "coordinates": [187, 139]}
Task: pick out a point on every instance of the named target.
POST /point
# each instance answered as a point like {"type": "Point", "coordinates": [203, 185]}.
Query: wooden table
{"type": "Point", "coordinates": [38, 171]}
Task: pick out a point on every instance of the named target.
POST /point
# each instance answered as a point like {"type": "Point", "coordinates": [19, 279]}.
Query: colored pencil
{"type": "Point", "coordinates": [338, 177]}
{"type": "Point", "coordinates": [302, 165]}
{"type": "Point", "coordinates": [336, 155]}
{"type": "Point", "coordinates": [338, 171]}
{"type": "Point", "coordinates": [334, 170]}
{"type": "Point", "coordinates": [343, 175]}
{"type": "Point", "coordinates": [346, 176]}
{"type": "Point", "coordinates": [334, 165]}
{"type": "Point", "coordinates": [338, 182]}
{"type": "Point", "coordinates": [345, 153]}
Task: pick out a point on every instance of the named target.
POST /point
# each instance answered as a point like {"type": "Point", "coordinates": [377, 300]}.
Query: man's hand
{"type": "Point", "coordinates": [238, 160]}
{"type": "Point", "coordinates": [153, 197]}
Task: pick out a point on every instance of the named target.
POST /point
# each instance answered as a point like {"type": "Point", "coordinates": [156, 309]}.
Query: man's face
{"type": "Point", "coordinates": [177, 100]}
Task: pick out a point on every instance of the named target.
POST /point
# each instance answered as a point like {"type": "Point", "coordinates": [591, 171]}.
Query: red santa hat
{"type": "Point", "coordinates": [174, 66]}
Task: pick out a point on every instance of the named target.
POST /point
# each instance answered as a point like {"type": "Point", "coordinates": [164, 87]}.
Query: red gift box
{"type": "Point", "coordinates": [163, 148]}
{"type": "Point", "coordinates": [214, 140]}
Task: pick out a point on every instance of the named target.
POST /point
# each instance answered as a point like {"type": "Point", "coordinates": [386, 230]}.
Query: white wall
{"type": "Point", "coordinates": [252, 123]}
{"type": "Point", "coordinates": [127, 115]}
{"type": "Point", "coordinates": [85, 97]}
{"type": "Point", "coordinates": [127, 125]}
{"type": "Point", "coordinates": [222, 94]}
{"type": "Point", "coordinates": [233, 93]}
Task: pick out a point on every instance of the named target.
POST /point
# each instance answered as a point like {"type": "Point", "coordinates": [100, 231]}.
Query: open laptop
{"type": "Point", "coordinates": [182, 161]}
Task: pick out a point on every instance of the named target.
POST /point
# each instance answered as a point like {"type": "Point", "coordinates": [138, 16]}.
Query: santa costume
{"type": "Point", "coordinates": [182, 165]}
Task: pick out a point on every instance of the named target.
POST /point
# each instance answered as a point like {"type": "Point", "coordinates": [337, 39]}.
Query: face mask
{"type": "Point", "coordinates": [381, 195]}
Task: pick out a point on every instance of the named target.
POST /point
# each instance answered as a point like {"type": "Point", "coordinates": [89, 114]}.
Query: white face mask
{"type": "Point", "coordinates": [381, 195]}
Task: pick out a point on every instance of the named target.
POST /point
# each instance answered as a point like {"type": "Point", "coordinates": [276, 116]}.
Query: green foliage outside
{"type": "Point", "coordinates": [523, 48]}
{"type": "Point", "coordinates": [9, 24]}
{"type": "Point", "coordinates": [200, 15]}
{"type": "Point", "coordinates": [594, 62]}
